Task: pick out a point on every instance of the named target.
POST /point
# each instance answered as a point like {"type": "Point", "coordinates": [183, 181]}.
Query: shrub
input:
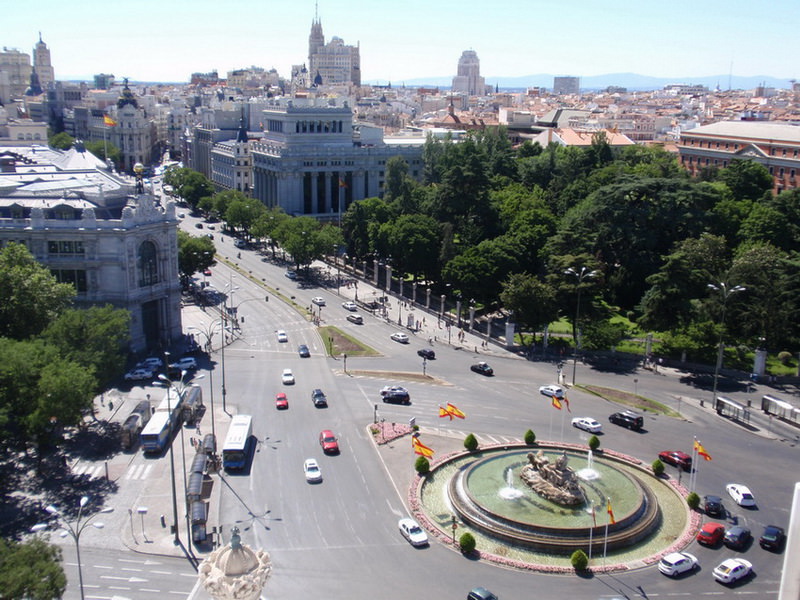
{"type": "Point", "coordinates": [785, 358]}
{"type": "Point", "coordinates": [530, 437]}
{"type": "Point", "coordinates": [415, 428]}
{"type": "Point", "coordinates": [693, 500]}
{"type": "Point", "coordinates": [579, 560]}
{"type": "Point", "coordinates": [471, 443]}
{"type": "Point", "coordinates": [594, 443]}
{"type": "Point", "coordinates": [422, 466]}
{"type": "Point", "coordinates": [467, 543]}
{"type": "Point", "coordinates": [658, 467]}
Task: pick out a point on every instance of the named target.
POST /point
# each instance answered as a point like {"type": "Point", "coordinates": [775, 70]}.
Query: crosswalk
{"type": "Point", "coordinates": [483, 438]}
{"type": "Point", "coordinates": [98, 471]}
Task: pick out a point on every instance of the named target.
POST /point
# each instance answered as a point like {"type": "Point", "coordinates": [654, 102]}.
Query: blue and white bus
{"type": "Point", "coordinates": [156, 433]}
{"type": "Point", "coordinates": [238, 443]}
{"type": "Point", "coordinates": [172, 404]}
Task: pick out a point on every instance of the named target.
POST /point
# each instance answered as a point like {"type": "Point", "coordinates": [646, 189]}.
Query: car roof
{"type": "Point", "coordinates": [712, 526]}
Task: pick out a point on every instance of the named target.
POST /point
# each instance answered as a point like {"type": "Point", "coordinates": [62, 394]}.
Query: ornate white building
{"type": "Point", "coordinates": [333, 63]}
{"type": "Point", "coordinates": [232, 163]}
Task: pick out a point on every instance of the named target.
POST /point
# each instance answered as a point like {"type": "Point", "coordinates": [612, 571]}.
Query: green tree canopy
{"type": "Point", "coordinates": [533, 302]}
{"type": "Point", "coordinates": [61, 141]}
{"type": "Point", "coordinates": [747, 179]}
{"type": "Point", "coordinates": [194, 253]}
{"type": "Point", "coordinates": [31, 570]}
{"type": "Point", "coordinates": [99, 148]}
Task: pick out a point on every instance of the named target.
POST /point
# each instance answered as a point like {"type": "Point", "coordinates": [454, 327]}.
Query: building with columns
{"type": "Point", "coordinates": [313, 160]}
{"type": "Point", "coordinates": [91, 229]}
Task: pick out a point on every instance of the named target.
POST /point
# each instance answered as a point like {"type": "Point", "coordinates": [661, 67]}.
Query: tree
{"type": "Point", "coordinates": [30, 297]}
{"type": "Point", "coordinates": [594, 443]}
{"type": "Point", "coordinates": [533, 303]}
{"type": "Point", "coordinates": [579, 560]}
{"type": "Point", "coordinates": [306, 240]}
{"type": "Point", "coordinates": [268, 223]}
{"type": "Point", "coordinates": [471, 442]}
{"type": "Point", "coordinates": [530, 437]}
{"type": "Point", "coordinates": [194, 254]}
{"type": "Point", "coordinates": [658, 467]}
{"type": "Point", "coordinates": [467, 543]}
{"type": "Point", "coordinates": [61, 141]}
{"type": "Point", "coordinates": [244, 214]}
{"type": "Point", "coordinates": [414, 242]}
{"type": "Point", "coordinates": [422, 466]}
{"type": "Point", "coordinates": [747, 179]}
{"type": "Point", "coordinates": [99, 148]}
{"type": "Point", "coordinates": [189, 185]}
{"type": "Point", "coordinates": [31, 570]}
{"type": "Point", "coordinates": [693, 500]}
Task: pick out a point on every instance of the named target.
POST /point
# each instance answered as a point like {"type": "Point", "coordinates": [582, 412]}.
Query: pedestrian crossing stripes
{"type": "Point", "coordinates": [90, 470]}
{"type": "Point", "coordinates": [483, 438]}
{"type": "Point", "coordinates": [138, 472]}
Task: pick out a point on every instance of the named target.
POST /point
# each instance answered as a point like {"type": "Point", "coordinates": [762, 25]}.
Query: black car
{"type": "Point", "coordinates": [319, 399]}
{"type": "Point", "coordinates": [773, 538]}
{"type": "Point", "coordinates": [482, 368]}
{"type": "Point", "coordinates": [303, 351]}
{"type": "Point", "coordinates": [712, 505]}
{"type": "Point", "coordinates": [426, 353]}
{"type": "Point", "coordinates": [628, 419]}
{"type": "Point", "coordinates": [737, 537]}
{"type": "Point", "coordinates": [481, 593]}
{"type": "Point", "coordinates": [396, 393]}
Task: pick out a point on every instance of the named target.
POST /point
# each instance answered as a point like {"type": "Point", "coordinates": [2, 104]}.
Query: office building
{"type": "Point", "coordinates": [468, 79]}
{"type": "Point", "coordinates": [42, 64]}
{"type": "Point", "coordinates": [566, 85]}
{"type": "Point", "coordinates": [333, 63]}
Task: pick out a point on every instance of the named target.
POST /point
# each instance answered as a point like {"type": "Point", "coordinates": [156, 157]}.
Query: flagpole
{"type": "Point", "coordinates": [591, 529]}
{"type": "Point", "coordinates": [605, 545]}
{"type": "Point", "coordinates": [562, 424]}
{"type": "Point", "coordinates": [695, 456]}
{"type": "Point", "coordinates": [105, 141]}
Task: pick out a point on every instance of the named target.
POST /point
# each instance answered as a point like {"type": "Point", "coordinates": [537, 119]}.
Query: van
{"type": "Point", "coordinates": [628, 419]}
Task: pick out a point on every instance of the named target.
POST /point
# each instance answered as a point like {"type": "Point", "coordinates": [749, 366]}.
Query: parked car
{"type": "Point", "coordinates": [398, 336]}
{"type": "Point", "coordinates": [138, 374]}
{"type": "Point", "coordinates": [198, 225]}
{"type": "Point", "coordinates": [737, 537]}
{"type": "Point", "coordinates": [328, 441]}
{"type": "Point", "coordinates": [350, 305]}
{"type": "Point", "coordinates": [773, 538]}
{"type": "Point", "coordinates": [426, 353]}
{"type": "Point", "coordinates": [312, 471]}
{"type": "Point", "coordinates": [587, 424]}
{"type": "Point", "coordinates": [281, 401]}
{"type": "Point", "coordinates": [552, 390]}
{"type": "Point", "coordinates": [240, 243]}
{"type": "Point", "coordinates": [282, 337]}
{"type": "Point", "coordinates": [481, 593]}
{"type": "Point", "coordinates": [711, 534]}
{"type": "Point", "coordinates": [676, 458]}
{"type": "Point", "coordinates": [628, 419]}
{"type": "Point", "coordinates": [187, 363]}
{"type": "Point", "coordinates": [733, 569]}
{"type": "Point", "coordinates": [207, 272]}
{"type": "Point", "coordinates": [318, 398]}
{"type": "Point", "coordinates": [291, 274]}
{"type": "Point", "coordinates": [676, 563]}
{"type": "Point", "coordinates": [151, 362]}
{"type": "Point", "coordinates": [303, 351]}
{"type": "Point", "coordinates": [287, 377]}
{"type": "Point", "coordinates": [482, 368]}
{"type": "Point", "coordinates": [712, 505]}
{"type": "Point", "coordinates": [741, 494]}
{"type": "Point", "coordinates": [396, 393]}
{"type": "Point", "coordinates": [318, 300]}
{"type": "Point", "coordinates": [357, 319]}
{"type": "Point", "coordinates": [411, 530]}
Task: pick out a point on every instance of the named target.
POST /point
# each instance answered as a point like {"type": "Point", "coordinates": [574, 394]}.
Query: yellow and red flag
{"type": "Point", "coordinates": [610, 513]}
{"type": "Point", "coordinates": [701, 451]}
{"type": "Point", "coordinates": [420, 448]}
{"type": "Point", "coordinates": [556, 402]}
{"type": "Point", "coordinates": [443, 413]}
{"type": "Point", "coordinates": [107, 120]}
{"type": "Point", "coordinates": [455, 412]}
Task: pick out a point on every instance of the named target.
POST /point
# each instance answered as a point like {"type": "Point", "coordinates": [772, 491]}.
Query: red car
{"type": "Point", "coordinates": [711, 534]}
{"type": "Point", "coordinates": [676, 458]}
{"type": "Point", "coordinates": [281, 401]}
{"type": "Point", "coordinates": [328, 441]}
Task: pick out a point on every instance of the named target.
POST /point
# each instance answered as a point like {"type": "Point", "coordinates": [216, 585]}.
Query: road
{"type": "Point", "coordinates": [339, 538]}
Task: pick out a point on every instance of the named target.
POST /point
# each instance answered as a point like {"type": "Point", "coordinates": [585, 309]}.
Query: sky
{"type": "Point", "coordinates": [167, 40]}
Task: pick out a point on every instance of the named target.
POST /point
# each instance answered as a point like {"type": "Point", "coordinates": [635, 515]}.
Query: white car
{"type": "Point", "coordinates": [732, 569]}
{"type": "Point", "coordinates": [676, 563]}
{"type": "Point", "coordinates": [318, 300]}
{"type": "Point", "coordinates": [312, 471]}
{"type": "Point", "coordinates": [552, 390]}
{"type": "Point", "coordinates": [350, 305]}
{"type": "Point", "coordinates": [187, 363]}
{"type": "Point", "coordinates": [399, 337]}
{"type": "Point", "coordinates": [153, 363]}
{"type": "Point", "coordinates": [415, 535]}
{"type": "Point", "coordinates": [741, 494]}
{"type": "Point", "coordinates": [139, 374]}
{"type": "Point", "coordinates": [587, 424]}
{"type": "Point", "coordinates": [282, 337]}
{"type": "Point", "coordinates": [287, 377]}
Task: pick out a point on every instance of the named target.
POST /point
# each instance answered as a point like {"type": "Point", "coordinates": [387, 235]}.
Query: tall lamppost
{"type": "Point", "coordinates": [209, 334]}
{"type": "Point", "coordinates": [75, 528]}
{"type": "Point", "coordinates": [580, 275]}
{"type": "Point", "coordinates": [163, 379]}
{"type": "Point", "coordinates": [726, 292]}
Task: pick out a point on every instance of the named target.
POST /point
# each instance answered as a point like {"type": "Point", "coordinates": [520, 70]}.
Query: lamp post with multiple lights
{"type": "Point", "coordinates": [580, 275]}
{"type": "Point", "coordinates": [726, 292]}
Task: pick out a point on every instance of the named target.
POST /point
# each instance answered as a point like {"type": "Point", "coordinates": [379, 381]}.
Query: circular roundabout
{"type": "Point", "coordinates": [531, 507]}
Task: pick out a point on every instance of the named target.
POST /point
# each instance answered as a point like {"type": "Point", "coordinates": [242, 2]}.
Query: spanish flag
{"type": "Point", "coordinates": [443, 413]}
{"type": "Point", "coordinates": [701, 451]}
{"type": "Point", "coordinates": [107, 120]}
{"type": "Point", "coordinates": [556, 402]}
{"type": "Point", "coordinates": [420, 448]}
{"type": "Point", "coordinates": [454, 412]}
{"type": "Point", "coordinates": [342, 183]}
{"type": "Point", "coordinates": [610, 512]}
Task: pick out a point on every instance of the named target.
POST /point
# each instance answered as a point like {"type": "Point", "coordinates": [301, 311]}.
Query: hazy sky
{"type": "Point", "coordinates": [167, 40]}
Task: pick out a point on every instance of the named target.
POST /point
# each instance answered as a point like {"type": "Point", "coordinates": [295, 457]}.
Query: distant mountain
{"type": "Point", "coordinates": [631, 81]}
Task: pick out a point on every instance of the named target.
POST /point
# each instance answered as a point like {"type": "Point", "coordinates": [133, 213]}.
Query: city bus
{"type": "Point", "coordinates": [172, 404]}
{"type": "Point", "coordinates": [238, 443]}
{"type": "Point", "coordinates": [156, 433]}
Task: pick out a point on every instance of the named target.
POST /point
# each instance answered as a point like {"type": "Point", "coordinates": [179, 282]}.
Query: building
{"type": "Point", "coordinates": [566, 85]}
{"type": "Point", "coordinates": [774, 145]}
{"type": "Point", "coordinates": [468, 79]}
{"type": "Point", "coordinates": [15, 74]}
{"type": "Point", "coordinates": [103, 81]}
{"type": "Point", "coordinates": [333, 63]}
{"type": "Point", "coordinates": [232, 162]}
{"type": "Point", "coordinates": [314, 161]}
{"type": "Point", "coordinates": [42, 63]}
{"type": "Point", "coordinates": [134, 133]}
{"type": "Point", "coordinates": [90, 228]}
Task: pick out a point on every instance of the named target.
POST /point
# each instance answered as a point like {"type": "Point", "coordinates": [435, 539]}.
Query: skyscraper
{"type": "Point", "coordinates": [332, 63]}
{"type": "Point", "coordinates": [42, 63]}
{"type": "Point", "coordinates": [469, 80]}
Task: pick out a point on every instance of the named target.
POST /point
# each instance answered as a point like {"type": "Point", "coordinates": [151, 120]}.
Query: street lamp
{"type": "Point", "coordinates": [74, 528]}
{"type": "Point", "coordinates": [584, 273]}
{"type": "Point", "coordinates": [208, 334]}
{"type": "Point", "coordinates": [726, 293]}
{"type": "Point", "coordinates": [168, 382]}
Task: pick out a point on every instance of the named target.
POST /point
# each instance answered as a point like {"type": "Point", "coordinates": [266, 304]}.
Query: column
{"type": "Point", "coordinates": [428, 298]}
{"type": "Point", "coordinates": [414, 293]}
{"type": "Point", "coordinates": [388, 278]}
{"type": "Point", "coordinates": [375, 271]}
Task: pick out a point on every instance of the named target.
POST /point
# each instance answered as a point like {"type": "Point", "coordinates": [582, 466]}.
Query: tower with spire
{"type": "Point", "coordinates": [42, 63]}
{"type": "Point", "coordinates": [333, 63]}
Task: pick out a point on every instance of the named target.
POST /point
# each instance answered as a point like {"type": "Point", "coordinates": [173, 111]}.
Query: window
{"type": "Point", "coordinates": [147, 264]}
{"type": "Point", "coordinates": [76, 277]}
{"type": "Point", "coordinates": [64, 247]}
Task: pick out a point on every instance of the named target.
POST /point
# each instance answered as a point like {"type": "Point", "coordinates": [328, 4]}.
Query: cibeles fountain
{"type": "Point", "coordinates": [537, 501]}
{"type": "Point", "coordinates": [235, 571]}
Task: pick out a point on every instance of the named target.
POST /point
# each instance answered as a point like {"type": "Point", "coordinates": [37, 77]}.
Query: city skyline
{"type": "Point", "coordinates": [423, 40]}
